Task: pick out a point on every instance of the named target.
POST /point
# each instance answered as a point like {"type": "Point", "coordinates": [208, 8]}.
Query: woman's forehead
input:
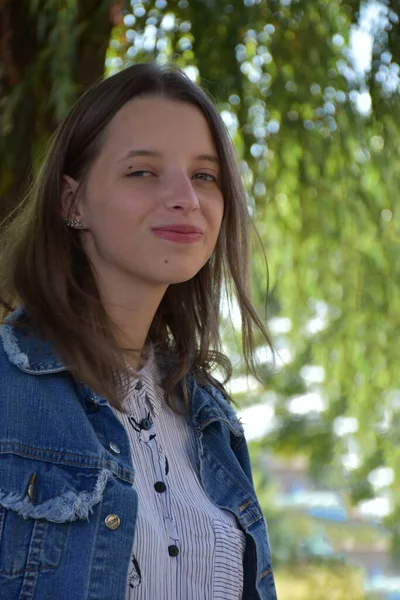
{"type": "Point", "coordinates": [158, 123]}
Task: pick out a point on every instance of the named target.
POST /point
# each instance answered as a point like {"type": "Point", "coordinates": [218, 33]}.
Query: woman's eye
{"type": "Point", "coordinates": [139, 174]}
{"type": "Point", "coordinates": [205, 177]}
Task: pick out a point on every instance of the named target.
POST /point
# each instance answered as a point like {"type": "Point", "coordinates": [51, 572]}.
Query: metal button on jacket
{"type": "Point", "coordinates": [113, 521]}
{"type": "Point", "coordinates": [160, 487]}
{"type": "Point", "coordinates": [115, 448]}
{"type": "Point", "coordinates": [146, 424]}
{"type": "Point", "coordinates": [173, 550]}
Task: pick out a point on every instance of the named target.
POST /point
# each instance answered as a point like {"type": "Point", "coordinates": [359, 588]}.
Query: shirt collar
{"type": "Point", "coordinates": [145, 387]}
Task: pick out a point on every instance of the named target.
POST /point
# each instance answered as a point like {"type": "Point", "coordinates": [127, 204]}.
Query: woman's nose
{"type": "Point", "coordinates": [180, 193]}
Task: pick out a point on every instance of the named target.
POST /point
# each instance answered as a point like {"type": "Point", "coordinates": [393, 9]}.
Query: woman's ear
{"type": "Point", "coordinates": [71, 208]}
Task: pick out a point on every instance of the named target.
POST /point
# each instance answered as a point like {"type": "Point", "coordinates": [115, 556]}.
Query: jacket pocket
{"type": "Point", "coordinates": [29, 544]}
{"type": "Point", "coordinates": [38, 502]}
{"type": "Point", "coordinates": [228, 561]}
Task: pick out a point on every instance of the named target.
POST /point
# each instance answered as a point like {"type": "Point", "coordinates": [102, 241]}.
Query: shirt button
{"type": "Point", "coordinates": [160, 487]}
{"type": "Point", "coordinates": [112, 521]}
{"type": "Point", "coordinates": [173, 550]}
{"type": "Point", "coordinates": [146, 424]}
{"type": "Point", "coordinates": [115, 448]}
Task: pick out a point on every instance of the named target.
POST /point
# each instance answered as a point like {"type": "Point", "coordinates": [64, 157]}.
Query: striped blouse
{"type": "Point", "coordinates": [185, 547]}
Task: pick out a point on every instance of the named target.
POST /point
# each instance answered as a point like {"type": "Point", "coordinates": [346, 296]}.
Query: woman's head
{"type": "Point", "coordinates": [139, 151]}
{"type": "Point", "coordinates": [162, 108]}
{"type": "Point", "coordinates": [152, 206]}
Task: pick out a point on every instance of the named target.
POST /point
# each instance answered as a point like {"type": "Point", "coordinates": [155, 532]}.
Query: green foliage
{"type": "Point", "coordinates": [56, 31]}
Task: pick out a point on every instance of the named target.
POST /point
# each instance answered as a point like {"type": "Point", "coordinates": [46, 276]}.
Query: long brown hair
{"type": "Point", "coordinates": [43, 265]}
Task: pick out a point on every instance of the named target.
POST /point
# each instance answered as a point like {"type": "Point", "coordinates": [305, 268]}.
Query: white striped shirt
{"type": "Point", "coordinates": [185, 547]}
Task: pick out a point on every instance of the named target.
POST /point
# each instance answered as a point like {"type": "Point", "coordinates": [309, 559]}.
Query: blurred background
{"type": "Point", "coordinates": [310, 92]}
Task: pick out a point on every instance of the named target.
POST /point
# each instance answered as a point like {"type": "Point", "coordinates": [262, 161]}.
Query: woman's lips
{"type": "Point", "coordinates": [178, 236]}
{"type": "Point", "coordinates": [181, 234]}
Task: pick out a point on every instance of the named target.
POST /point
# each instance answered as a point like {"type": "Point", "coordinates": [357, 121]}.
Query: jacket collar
{"type": "Point", "coordinates": [35, 356]}
{"type": "Point", "coordinates": [26, 350]}
{"type": "Point", "coordinates": [208, 405]}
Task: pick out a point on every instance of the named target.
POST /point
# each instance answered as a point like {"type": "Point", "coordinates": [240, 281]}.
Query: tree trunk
{"type": "Point", "coordinates": [48, 54]}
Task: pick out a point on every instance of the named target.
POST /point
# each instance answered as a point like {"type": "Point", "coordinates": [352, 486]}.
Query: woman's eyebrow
{"type": "Point", "coordinates": [210, 157]}
{"type": "Point", "coordinates": [134, 153]}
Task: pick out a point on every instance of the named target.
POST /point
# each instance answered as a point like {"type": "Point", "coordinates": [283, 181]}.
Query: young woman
{"type": "Point", "coordinates": [124, 472]}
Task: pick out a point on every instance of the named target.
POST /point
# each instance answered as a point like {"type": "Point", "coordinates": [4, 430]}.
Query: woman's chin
{"type": "Point", "coordinates": [179, 276]}
{"type": "Point", "coordinates": [180, 279]}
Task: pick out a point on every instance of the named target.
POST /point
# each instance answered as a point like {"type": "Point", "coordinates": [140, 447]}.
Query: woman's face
{"type": "Point", "coordinates": [152, 207]}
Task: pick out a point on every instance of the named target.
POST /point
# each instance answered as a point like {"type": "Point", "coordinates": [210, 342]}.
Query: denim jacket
{"type": "Point", "coordinates": [67, 504]}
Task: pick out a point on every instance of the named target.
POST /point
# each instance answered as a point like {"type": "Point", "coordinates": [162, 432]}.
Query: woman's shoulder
{"type": "Point", "coordinates": [24, 359]}
{"type": "Point", "coordinates": [22, 347]}
{"type": "Point", "coordinates": [220, 400]}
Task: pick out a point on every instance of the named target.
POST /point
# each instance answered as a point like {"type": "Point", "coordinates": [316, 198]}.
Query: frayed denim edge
{"type": "Point", "coordinates": [11, 347]}
{"type": "Point", "coordinates": [67, 507]}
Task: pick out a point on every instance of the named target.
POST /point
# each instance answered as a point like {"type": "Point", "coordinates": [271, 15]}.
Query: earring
{"type": "Point", "coordinates": [75, 223]}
